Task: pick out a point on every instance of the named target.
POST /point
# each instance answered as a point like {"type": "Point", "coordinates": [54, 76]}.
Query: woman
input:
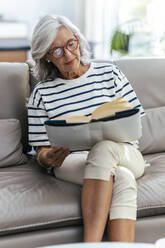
{"type": "Point", "coordinates": [70, 84]}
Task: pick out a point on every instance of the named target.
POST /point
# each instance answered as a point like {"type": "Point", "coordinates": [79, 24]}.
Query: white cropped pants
{"type": "Point", "coordinates": [107, 158]}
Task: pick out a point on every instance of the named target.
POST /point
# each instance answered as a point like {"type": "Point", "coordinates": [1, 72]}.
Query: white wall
{"type": "Point", "coordinates": [31, 10]}
{"type": "Point", "coordinates": [95, 18]}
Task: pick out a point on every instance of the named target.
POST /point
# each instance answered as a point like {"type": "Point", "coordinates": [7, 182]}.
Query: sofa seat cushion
{"type": "Point", "coordinates": [151, 186]}
{"type": "Point", "coordinates": [33, 200]}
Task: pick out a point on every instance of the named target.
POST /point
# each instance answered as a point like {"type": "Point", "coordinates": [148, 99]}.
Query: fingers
{"type": "Point", "coordinates": [60, 148]}
{"type": "Point", "coordinates": [60, 159]}
{"type": "Point", "coordinates": [56, 156]}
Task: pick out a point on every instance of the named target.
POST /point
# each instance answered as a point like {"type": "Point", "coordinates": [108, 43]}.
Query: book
{"type": "Point", "coordinates": [107, 109]}
{"type": "Point", "coordinates": [115, 121]}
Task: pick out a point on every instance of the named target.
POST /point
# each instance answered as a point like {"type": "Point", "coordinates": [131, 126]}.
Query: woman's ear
{"type": "Point", "coordinates": [47, 58]}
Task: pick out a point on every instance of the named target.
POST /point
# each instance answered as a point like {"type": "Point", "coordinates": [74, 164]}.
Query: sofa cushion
{"type": "Point", "coordinates": [153, 131]}
{"type": "Point", "coordinates": [32, 200]}
{"type": "Point", "coordinates": [14, 88]}
{"type": "Point", "coordinates": [10, 145]}
{"type": "Point", "coordinates": [151, 197]}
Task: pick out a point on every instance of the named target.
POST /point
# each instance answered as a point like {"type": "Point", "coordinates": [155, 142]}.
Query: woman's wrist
{"type": "Point", "coordinates": [39, 157]}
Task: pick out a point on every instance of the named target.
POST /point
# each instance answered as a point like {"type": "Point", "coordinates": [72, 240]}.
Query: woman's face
{"type": "Point", "coordinates": [69, 63]}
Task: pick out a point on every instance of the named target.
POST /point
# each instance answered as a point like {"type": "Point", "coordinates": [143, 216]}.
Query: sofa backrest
{"type": "Point", "coordinates": [14, 89]}
{"type": "Point", "coordinates": [147, 76]}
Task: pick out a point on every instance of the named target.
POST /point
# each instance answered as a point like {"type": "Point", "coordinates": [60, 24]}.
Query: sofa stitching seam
{"type": "Point", "coordinates": [35, 225]}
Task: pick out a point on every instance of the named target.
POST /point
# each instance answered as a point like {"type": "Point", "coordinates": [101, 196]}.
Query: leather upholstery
{"type": "Point", "coordinates": [33, 200]}
{"type": "Point", "coordinates": [153, 132]}
{"type": "Point", "coordinates": [147, 77]}
{"type": "Point", "coordinates": [151, 197]}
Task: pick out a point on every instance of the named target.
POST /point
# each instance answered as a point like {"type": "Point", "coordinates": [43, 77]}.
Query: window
{"type": "Point", "coordinates": [144, 21]}
{"type": "Point", "coordinates": [141, 23]}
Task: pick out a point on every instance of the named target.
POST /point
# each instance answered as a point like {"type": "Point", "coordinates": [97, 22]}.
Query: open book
{"type": "Point", "coordinates": [115, 121]}
{"type": "Point", "coordinates": [106, 110]}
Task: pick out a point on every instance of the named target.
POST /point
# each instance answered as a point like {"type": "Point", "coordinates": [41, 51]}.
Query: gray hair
{"type": "Point", "coordinates": [42, 38]}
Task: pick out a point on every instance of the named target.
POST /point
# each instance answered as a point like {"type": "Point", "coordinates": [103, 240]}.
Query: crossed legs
{"type": "Point", "coordinates": [99, 205]}
{"type": "Point", "coordinates": [109, 190]}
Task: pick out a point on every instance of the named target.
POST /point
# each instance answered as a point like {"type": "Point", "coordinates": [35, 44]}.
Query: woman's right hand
{"type": "Point", "coordinates": [52, 156]}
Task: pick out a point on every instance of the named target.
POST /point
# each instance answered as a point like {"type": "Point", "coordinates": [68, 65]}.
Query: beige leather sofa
{"type": "Point", "coordinates": [36, 209]}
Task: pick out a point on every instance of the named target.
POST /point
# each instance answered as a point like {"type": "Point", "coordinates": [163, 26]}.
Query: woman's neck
{"type": "Point", "coordinates": [74, 75]}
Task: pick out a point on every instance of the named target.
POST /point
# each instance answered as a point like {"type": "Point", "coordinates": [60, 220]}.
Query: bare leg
{"type": "Point", "coordinates": [122, 230]}
{"type": "Point", "coordinates": [96, 198]}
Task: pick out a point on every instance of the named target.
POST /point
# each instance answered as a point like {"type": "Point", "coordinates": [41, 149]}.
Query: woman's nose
{"type": "Point", "coordinates": [67, 52]}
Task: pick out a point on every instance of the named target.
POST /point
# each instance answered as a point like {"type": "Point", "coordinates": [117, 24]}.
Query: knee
{"type": "Point", "coordinates": [104, 151]}
{"type": "Point", "coordinates": [101, 162]}
{"type": "Point", "coordinates": [104, 146]}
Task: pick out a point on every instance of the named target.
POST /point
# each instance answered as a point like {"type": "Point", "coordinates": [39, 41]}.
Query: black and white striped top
{"type": "Point", "coordinates": [101, 83]}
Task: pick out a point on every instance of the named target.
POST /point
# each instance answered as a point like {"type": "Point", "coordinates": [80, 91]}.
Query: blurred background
{"type": "Point", "coordinates": [114, 28]}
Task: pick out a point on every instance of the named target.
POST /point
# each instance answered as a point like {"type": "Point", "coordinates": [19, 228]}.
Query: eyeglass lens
{"type": "Point", "coordinates": [71, 46]}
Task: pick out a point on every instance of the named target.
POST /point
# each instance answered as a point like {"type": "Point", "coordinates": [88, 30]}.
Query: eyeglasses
{"type": "Point", "coordinates": [58, 52]}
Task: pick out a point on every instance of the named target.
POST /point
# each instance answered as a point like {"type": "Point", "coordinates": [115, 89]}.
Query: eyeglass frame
{"type": "Point", "coordinates": [64, 47]}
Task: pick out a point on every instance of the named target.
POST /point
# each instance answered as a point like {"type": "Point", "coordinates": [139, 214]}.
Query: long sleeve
{"type": "Point", "coordinates": [124, 89]}
{"type": "Point", "coordinates": [37, 115]}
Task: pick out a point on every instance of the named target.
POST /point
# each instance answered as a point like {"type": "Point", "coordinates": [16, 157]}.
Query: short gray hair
{"type": "Point", "coordinates": [42, 38]}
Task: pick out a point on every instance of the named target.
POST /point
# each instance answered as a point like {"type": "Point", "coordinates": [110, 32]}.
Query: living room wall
{"type": "Point", "coordinates": [30, 11]}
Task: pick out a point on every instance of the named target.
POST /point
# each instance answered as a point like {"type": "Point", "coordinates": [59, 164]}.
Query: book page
{"type": "Point", "coordinates": [110, 108]}
{"type": "Point", "coordinates": [105, 110]}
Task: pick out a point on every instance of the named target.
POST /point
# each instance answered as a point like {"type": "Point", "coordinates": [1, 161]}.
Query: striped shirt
{"type": "Point", "coordinates": [101, 83]}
